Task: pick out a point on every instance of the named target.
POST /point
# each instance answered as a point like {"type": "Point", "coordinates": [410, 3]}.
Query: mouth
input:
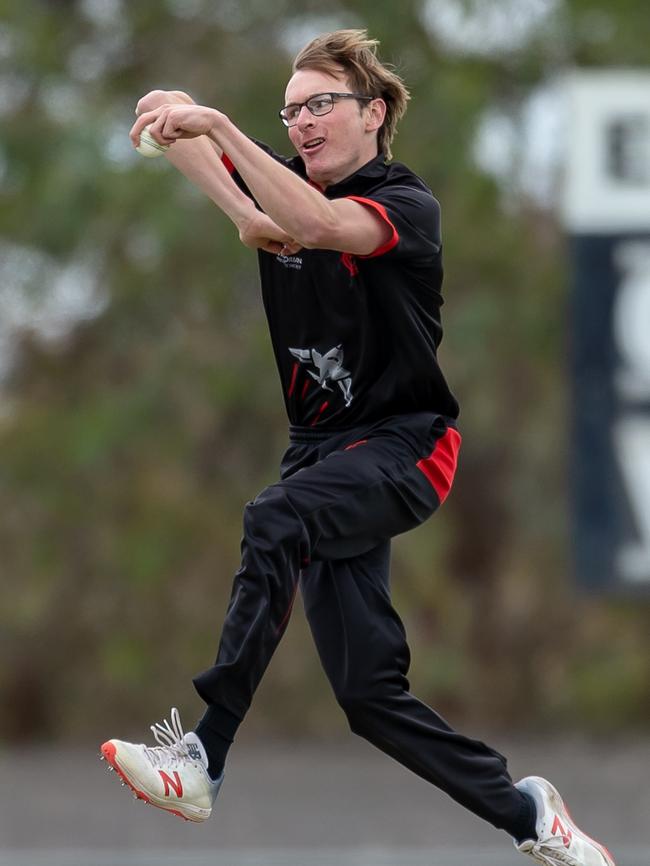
{"type": "Point", "coordinates": [313, 145]}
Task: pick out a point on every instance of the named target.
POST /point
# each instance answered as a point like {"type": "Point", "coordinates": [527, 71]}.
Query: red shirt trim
{"type": "Point", "coordinates": [381, 210]}
{"type": "Point", "coordinates": [228, 163]}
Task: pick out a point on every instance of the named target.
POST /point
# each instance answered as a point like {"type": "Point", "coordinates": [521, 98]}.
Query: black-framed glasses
{"type": "Point", "coordinates": [318, 104]}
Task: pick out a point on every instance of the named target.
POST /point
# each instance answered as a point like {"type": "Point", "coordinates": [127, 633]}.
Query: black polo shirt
{"type": "Point", "coordinates": [355, 337]}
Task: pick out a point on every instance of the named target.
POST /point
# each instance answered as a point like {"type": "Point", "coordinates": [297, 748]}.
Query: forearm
{"type": "Point", "coordinates": [293, 213]}
{"type": "Point", "coordinates": [298, 208]}
{"type": "Point", "coordinates": [197, 160]}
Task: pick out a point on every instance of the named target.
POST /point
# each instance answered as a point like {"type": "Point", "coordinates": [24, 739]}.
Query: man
{"type": "Point", "coordinates": [350, 262]}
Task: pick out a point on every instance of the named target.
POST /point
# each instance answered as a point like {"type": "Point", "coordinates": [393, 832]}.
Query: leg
{"type": "Point", "coordinates": [274, 545]}
{"type": "Point", "coordinates": [362, 645]}
{"type": "Point", "coordinates": [341, 506]}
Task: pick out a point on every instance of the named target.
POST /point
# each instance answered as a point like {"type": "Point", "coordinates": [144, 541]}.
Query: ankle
{"type": "Point", "coordinates": [216, 732]}
{"type": "Point", "coordinates": [526, 826]}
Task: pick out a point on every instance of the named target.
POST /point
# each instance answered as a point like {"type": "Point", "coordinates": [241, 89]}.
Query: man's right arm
{"type": "Point", "coordinates": [199, 159]}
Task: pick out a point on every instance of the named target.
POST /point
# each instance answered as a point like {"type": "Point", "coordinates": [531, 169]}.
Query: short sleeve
{"type": "Point", "coordinates": [414, 217]}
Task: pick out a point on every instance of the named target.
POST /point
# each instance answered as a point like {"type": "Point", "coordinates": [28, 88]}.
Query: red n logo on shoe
{"type": "Point", "coordinates": [566, 835]}
{"type": "Point", "coordinates": [174, 783]}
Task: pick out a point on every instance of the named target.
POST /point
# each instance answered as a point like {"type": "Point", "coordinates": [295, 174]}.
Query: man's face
{"type": "Point", "coordinates": [333, 146]}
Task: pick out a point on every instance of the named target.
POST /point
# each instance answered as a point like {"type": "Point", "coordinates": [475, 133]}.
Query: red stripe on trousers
{"type": "Point", "coordinates": [440, 466]}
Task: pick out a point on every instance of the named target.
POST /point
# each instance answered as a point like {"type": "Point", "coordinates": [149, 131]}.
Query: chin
{"type": "Point", "coordinates": [318, 174]}
{"type": "Point", "coordinates": [322, 174]}
{"type": "Point", "coordinates": [315, 167]}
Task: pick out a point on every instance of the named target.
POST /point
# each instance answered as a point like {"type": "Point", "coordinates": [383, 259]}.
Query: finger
{"type": "Point", "coordinates": [144, 119]}
{"type": "Point", "coordinates": [159, 129]}
{"type": "Point", "coordinates": [171, 127]}
{"type": "Point", "coordinates": [167, 126]}
{"type": "Point", "coordinates": [181, 96]}
{"type": "Point", "coordinates": [150, 100]}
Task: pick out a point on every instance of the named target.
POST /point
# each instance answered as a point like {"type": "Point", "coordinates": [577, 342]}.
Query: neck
{"type": "Point", "coordinates": [323, 182]}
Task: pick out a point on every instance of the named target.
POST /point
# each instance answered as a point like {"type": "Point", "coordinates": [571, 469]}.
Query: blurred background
{"type": "Point", "coordinates": [140, 409]}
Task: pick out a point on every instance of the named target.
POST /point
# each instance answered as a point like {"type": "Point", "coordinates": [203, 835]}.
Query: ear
{"type": "Point", "coordinates": [376, 114]}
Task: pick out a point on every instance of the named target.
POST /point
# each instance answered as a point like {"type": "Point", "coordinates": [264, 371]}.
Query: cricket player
{"type": "Point", "coordinates": [350, 263]}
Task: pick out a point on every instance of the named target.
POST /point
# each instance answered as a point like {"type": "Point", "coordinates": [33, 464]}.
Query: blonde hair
{"type": "Point", "coordinates": [354, 53]}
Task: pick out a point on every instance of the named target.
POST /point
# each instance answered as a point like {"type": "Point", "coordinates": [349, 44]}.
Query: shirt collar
{"type": "Point", "coordinates": [356, 182]}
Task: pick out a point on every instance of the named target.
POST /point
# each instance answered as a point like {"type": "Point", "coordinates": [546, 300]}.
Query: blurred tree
{"type": "Point", "coordinates": [139, 406]}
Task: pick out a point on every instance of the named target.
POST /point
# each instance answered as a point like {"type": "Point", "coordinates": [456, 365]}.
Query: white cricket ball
{"type": "Point", "coordinates": [148, 146]}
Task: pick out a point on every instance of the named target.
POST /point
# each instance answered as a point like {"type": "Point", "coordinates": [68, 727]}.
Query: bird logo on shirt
{"type": "Point", "coordinates": [330, 369]}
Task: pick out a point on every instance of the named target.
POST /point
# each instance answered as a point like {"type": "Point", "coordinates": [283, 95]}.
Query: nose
{"type": "Point", "coordinates": [305, 117]}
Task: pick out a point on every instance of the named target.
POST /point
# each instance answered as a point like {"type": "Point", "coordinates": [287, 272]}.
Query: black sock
{"type": "Point", "coordinates": [216, 748]}
{"type": "Point", "coordinates": [526, 827]}
{"type": "Point", "coordinates": [216, 730]}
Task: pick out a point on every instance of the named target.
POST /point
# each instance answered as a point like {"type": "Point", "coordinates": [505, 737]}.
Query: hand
{"type": "Point", "coordinates": [259, 231]}
{"type": "Point", "coordinates": [155, 98]}
{"type": "Point", "coordinates": [169, 122]}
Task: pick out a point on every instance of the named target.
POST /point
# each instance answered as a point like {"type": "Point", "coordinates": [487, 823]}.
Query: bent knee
{"type": "Point", "coordinates": [272, 518]}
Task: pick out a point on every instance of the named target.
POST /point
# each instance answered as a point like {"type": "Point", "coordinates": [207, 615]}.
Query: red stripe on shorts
{"type": "Point", "coordinates": [355, 444]}
{"type": "Point", "coordinates": [440, 466]}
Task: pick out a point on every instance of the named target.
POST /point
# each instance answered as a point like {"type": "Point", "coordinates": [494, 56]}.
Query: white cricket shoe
{"type": "Point", "coordinates": [172, 776]}
{"type": "Point", "coordinates": [559, 842]}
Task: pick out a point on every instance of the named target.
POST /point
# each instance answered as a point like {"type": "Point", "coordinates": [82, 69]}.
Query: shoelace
{"type": "Point", "coordinates": [172, 750]}
{"type": "Point", "coordinates": [553, 851]}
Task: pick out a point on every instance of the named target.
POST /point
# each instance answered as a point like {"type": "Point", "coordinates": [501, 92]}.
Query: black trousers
{"type": "Point", "coordinates": [327, 525]}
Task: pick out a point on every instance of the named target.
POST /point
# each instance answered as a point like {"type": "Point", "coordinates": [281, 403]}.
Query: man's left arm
{"type": "Point", "coordinates": [300, 209]}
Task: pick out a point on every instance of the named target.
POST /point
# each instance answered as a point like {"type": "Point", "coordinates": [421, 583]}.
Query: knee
{"type": "Point", "coordinates": [271, 520]}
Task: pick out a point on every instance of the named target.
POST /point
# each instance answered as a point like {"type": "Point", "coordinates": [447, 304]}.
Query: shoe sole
{"type": "Point", "coordinates": [108, 751]}
{"type": "Point", "coordinates": [560, 806]}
